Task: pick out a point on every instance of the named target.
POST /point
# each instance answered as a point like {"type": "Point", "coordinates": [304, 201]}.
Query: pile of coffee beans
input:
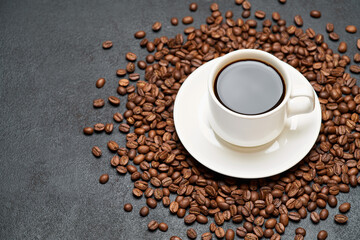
{"type": "Point", "coordinates": [159, 165]}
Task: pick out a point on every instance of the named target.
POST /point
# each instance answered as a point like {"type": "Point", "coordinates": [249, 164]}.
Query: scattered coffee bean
{"type": "Point", "coordinates": [220, 232]}
{"type": "Point", "coordinates": [98, 103]}
{"type": "Point", "coordinates": [239, 2]}
{"type": "Point", "coordinates": [315, 218]}
{"type": "Point", "coordinates": [357, 57]}
{"type": "Point", "coordinates": [342, 47]}
{"type": "Point", "coordinates": [299, 237]}
{"type": "Point", "coordinates": [96, 151]}
{"type": "Point", "coordinates": [140, 34]}
{"type": "Point", "coordinates": [144, 211]}
{"type": "Point", "coordinates": [358, 43]}
{"type": "Point", "coordinates": [246, 5]}
{"type": "Point", "coordinates": [128, 207]}
{"type": "Point", "coordinates": [355, 68]}
{"type": "Point", "coordinates": [300, 231]}
{"type": "Point", "coordinates": [114, 100]}
{"type": "Point", "coordinates": [88, 131]}
{"type": "Point", "coordinates": [99, 127]}
{"type": "Point", "coordinates": [351, 29]}
{"type": "Point", "coordinates": [212, 227]}
{"type": "Point", "coordinates": [156, 26]}
{"type": "Point", "coordinates": [104, 178]}
{"type": "Point", "coordinates": [191, 233]}
{"type": "Point", "coordinates": [193, 7]}
{"type": "Point", "coordinates": [153, 225]}
{"type": "Point", "coordinates": [118, 117]}
{"type": "Point", "coordinates": [175, 238]}
{"type": "Point", "coordinates": [322, 235]}
{"type": "Point", "coordinates": [206, 236]}
{"type": "Point", "coordinates": [345, 207]}
{"type": "Point", "coordinates": [329, 27]}
{"type": "Point", "coordinates": [230, 234]}
{"type": "Point", "coordinates": [142, 64]}
{"type": "Point", "coordinates": [340, 218]}
{"type": "Point", "coordinates": [298, 20]}
{"type": "Point", "coordinates": [109, 128]}
{"type": "Point", "coordinates": [131, 56]}
{"type": "Point", "coordinates": [121, 72]}
{"type": "Point", "coordinates": [315, 14]}
{"type": "Point", "coordinates": [246, 14]}
{"type": "Point", "coordinates": [134, 76]}
{"type": "Point", "coordinates": [113, 146]}
{"type": "Point", "coordinates": [260, 14]}
{"type": "Point", "coordinates": [334, 36]}
{"type": "Point", "coordinates": [130, 67]}
{"type": "Point", "coordinates": [324, 213]}
{"type": "Point", "coordinates": [174, 21]}
{"type": "Point", "coordinates": [163, 227]}
{"type": "Point", "coordinates": [187, 20]}
{"type": "Point", "coordinates": [282, 1]}
{"type": "Point", "coordinates": [107, 44]}
{"type": "Point", "coordinates": [100, 82]}
{"type": "Point", "coordinates": [214, 7]}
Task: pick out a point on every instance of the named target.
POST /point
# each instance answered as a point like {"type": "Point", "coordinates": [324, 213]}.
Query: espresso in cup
{"type": "Point", "coordinates": [249, 87]}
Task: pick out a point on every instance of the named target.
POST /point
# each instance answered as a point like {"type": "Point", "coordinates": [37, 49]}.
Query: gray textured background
{"type": "Point", "coordinates": [50, 58]}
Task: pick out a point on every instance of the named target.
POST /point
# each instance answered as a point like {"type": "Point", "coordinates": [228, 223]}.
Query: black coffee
{"type": "Point", "coordinates": [249, 87]}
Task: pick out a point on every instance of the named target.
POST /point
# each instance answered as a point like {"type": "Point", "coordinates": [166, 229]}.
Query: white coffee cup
{"type": "Point", "coordinates": [254, 130]}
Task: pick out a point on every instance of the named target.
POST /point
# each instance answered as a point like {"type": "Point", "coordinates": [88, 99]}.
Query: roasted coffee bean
{"type": "Point", "coordinates": [201, 219]}
{"type": "Point", "coordinates": [300, 231]}
{"type": "Point", "coordinates": [246, 5]}
{"type": "Point", "coordinates": [214, 7]}
{"type": "Point", "coordinates": [88, 131]}
{"type": "Point", "coordinates": [220, 232]}
{"type": "Point", "coordinates": [153, 225]}
{"type": "Point", "coordinates": [298, 20]}
{"type": "Point", "coordinates": [276, 236]}
{"type": "Point", "coordinates": [130, 67]}
{"type": "Point", "coordinates": [351, 29]}
{"type": "Point", "coordinates": [315, 14]}
{"type": "Point", "coordinates": [114, 100]}
{"type": "Point", "coordinates": [151, 202]}
{"type": "Point", "coordinates": [345, 207]}
{"type": "Point", "coordinates": [125, 128]}
{"type": "Point", "coordinates": [334, 36]}
{"type": "Point", "coordinates": [230, 234]}
{"type": "Point", "coordinates": [163, 227]}
{"type": "Point", "coordinates": [299, 237]}
{"type": "Point", "coordinates": [322, 235]}
{"type": "Point", "coordinates": [121, 72]}
{"type": "Point", "coordinates": [174, 21]}
{"type": "Point", "coordinates": [315, 218]}
{"type": "Point", "coordinates": [340, 218]}
{"type": "Point", "coordinates": [282, 1]}
{"type": "Point", "coordinates": [332, 201]}
{"type": "Point", "coordinates": [128, 207]}
{"type": "Point", "coordinates": [109, 128]}
{"type": "Point", "coordinates": [107, 44]}
{"type": "Point", "coordinates": [104, 178]}
{"type": "Point", "coordinates": [96, 151]}
{"type": "Point", "coordinates": [268, 233]}
{"type": "Point", "coordinates": [280, 228]}
{"type": "Point", "coordinates": [156, 26]}
{"type": "Point", "coordinates": [193, 7]}
{"type": "Point", "coordinates": [175, 238]}
{"type": "Point", "coordinates": [342, 47]}
{"type": "Point", "coordinates": [190, 219]}
{"type": "Point", "coordinates": [144, 211]}
{"type": "Point", "coordinates": [98, 103]}
{"type": "Point", "coordinates": [100, 82]}
{"type": "Point", "coordinates": [187, 20]}
{"type": "Point", "coordinates": [142, 64]}
{"type": "Point", "coordinates": [99, 127]}
{"type": "Point", "coordinates": [324, 214]}
{"type": "Point", "coordinates": [357, 57]}
{"type": "Point", "coordinates": [113, 146]}
{"type": "Point", "coordinates": [212, 227]}
{"type": "Point", "coordinates": [118, 117]}
{"type": "Point", "coordinates": [251, 236]}
{"type": "Point", "coordinates": [355, 68]}
{"type": "Point", "coordinates": [131, 56]}
{"type": "Point", "coordinates": [139, 34]}
{"type": "Point", "coordinates": [191, 233]}
{"type": "Point", "coordinates": [206, 236]}
{"type": "Point", "coordinates": [358, 43]}
{"type": "Point", "coordinates": [260, 14]}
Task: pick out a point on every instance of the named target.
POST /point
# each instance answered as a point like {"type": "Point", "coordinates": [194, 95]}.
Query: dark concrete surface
{"type": "Point", "coordinates": [50, 58]}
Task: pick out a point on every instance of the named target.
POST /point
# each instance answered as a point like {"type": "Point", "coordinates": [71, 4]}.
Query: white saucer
{"type": "Point", "coordinates": [191, 122]}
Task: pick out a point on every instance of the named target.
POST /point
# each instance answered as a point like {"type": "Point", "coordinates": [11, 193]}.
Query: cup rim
{"type": "Point", "coordinates": [280, 68]}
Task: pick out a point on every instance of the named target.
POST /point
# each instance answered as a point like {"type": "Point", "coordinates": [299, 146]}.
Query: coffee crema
{"type": "Point", "coordinates": [249, 87]}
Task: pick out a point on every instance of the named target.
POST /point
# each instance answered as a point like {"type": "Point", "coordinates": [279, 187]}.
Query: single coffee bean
{"type": "Point", "coordinates": [276, 236]}
{"type": "Point", "coordinates": [88, 131]}
{"type": "Point", "coordinates": [276, 16]}
{"type": "Point", "coordinates": [212, 227]}
{"type": "Point", "coordinates": [100, 82]}
{"type": "Point", "coordinates": [260, 14]}
{"type": "Point", "coordinates": [190, 219]}
{"type": "Point", "coordinates": [163, 227]}
{"type": "Point", "coordinates": [357, 57]}
{"type": "Point", "coordinates": [96, 151]}
{"type": "Point", "coordinates": [315, 218]}
{"type": "Point", "coordinates": [214, 7]}
{"type": "Point", "coordinates": [114, 100]}
{"type": "Point", "coordinates": [315, 14]}
{"type": "Point", "coordinates": [355, 68]}
{"type": "Point", "coordinates": [329, 27]}
{"type": "Point", "coordinates": [109, 128]}
{"type": "Point", "coordinates": [187, 20]}
{"type": "Point", "coordinates": [345, 207]}
{"type": "Point", "coordinates": [300, 231]}
{"type": "Point", "coordinates": [128, 207]}
{"type": "Point", "coordinates": [125, 128]}
{"type": "Point", "coordinates": [298, 20]}
{"type": "Point", "coordinates": [339, 218]}
{"type": "Point", "coordinates": [280, 228]}
{"type": "Point", "coordinates": [144, 211]}
{"type": "Point", "coordinates": [324, 213]}
{"type": "Point", "coordinates": [322, 235]}
{"type": "Point", "coordinates": [334, 36]}
{"type": "Point", "coordinates": [268, 233]}
{"type": "Point", "coordinates": [191, 233]}
{"type": "Point", "coordinates": [206, 236]}
{"type": "Point", "coordinates": [99, 127]}
{"type": "Point", "coordinates": [201, 219]}
{"type": "Point", "coordinates": [113, 146]}
{"type": "Point", "coordinates": [118, 117]}
{"type": "Point", "coordinates": [239, 2]}
{"type": "Point", "coordinates": [134, 76]}
{"type": "Point", "coordinates": [241, 232]}
{"type": "Point", "coordinates": [152, 203]}
{"type": "Point", "coordinates": [121, 72]}
{"type": "Point", "coordinates": [358, 43]}
{"type": "Point", "coordinates": [246, 14]}
{"type": "Point", "coordinates": [139, 34]}
{"type": "Point", "coordinates": [282, 1]}
{"type": "Point", "coordinates": [174, 21]}
{"type": "Point", "coordinates": [299, 237]}
{"type": "Point", "coordinates": [107, 44]}
{"type": "Point", "coordinates": [142, 64]}
{"type": "Point", "coordinates": [193, 7]}
{"type": "Point", "coordinates": [104, 178]}
{"type": "Point", "coordinates": [332, 201]}
{"type": "Point", "coordinates": [130, 67]}
{"type": "Point", "coordinates": [351, 29]}
{"type": "Point", "coordinates": [342, 47]}
{"type": "Point", "coordinates": [175, 238]}
{"type": "Point", "coordinates": [131, 56]}
{"type": "Point", "coordinates": [246, 5]}
{"type": "Point", "coordinates": [98, 103]}
{"type": "Point", "coordinates": [156, 26]}
{"type": "Point", "coordinates": [153, 225]}
{"type": "Point", "coordinates": [220, 232]}
{"type": "Point", "coordinates": [230, 234]}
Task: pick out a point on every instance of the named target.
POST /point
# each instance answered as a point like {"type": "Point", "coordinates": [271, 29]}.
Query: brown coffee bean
{"type": "Point", "coordinates": [329, 27]}
{"type": "Point", "coordinates": [130, 67]}
{"type": "Point", "coordinates": [241, 232]}
{"type": "Point", "coordinates": [322, 235]}
{"type": "Point", "coordinates": [358, 43]}
{"type": "Point", "coordinates": [315, 218]}
{"type": "Point", "coordinates": [357, 57]}
{"type": "Point", "coordinates": [100, 82]}
{"type": "Point", "coordinates": [118, 117]}
{"type": "Point", "coordinates": [114, 100]}
{"type": "Point", "coordinates": [246, 14]}
{"type": "Point", "coordinates": [239, 2]}
{"type": "Point", "coordinates": [324, 213]}
{"type": "Point", "coordinates": [193, 7]}
{"type": "Point", "coordinates": [345, 207]}
{"type": "Point", "coordinates": [280, 228]}
{"type": "Point", "coordinates": [187, 20]}
{"type": "Point", "coordinates": [315, 14]}
{"type": "Point", "coordinates": [246, 5]}
{"type": "Point", "coordinates": [339, 218]}
{"type": "Point", "coordinates": [201, 219]}
{"type": "Point", "coordinates": [191, 233]}
{"type": "Point", "coordinates": [282, 1]}
{"type": "Point", "coordinates": [334, 36]}
{"type": "Point", "coordinates": [107, 44]}
{"type": "Point", "coordinates": [190, 219]}
{"type": "Point", "coordinates": [151, 202]}
{"type": "Point", "coordinates": [260, 14]}
{"type": "Point", "coordinates": [299, 237]}
{"type": "Point", "coordinates": [134, 76]}
{"type": "Point", "coordinates": [276, 236]}
{"type": "Point", "coordinates": [142, 64]}
{"type": "Point", "coordinates": [294, 216]}
{"type": "Point", "coordinates": [113, 146]}
{"type": "Point", "coordinates": [351, 29]}
{"type": "Point", "coordinates": [144, 211]}
{"type": "Point", "coordinates": [300, 231]}
{"type": "Point", "coordinates": [174, 21]}
{"type": "Point", "coordinates": [131, 56]}
{"type": "Point", "coordinates": [99, 127]}
{"type": "Point", "coordinates": [139, 34]}
{"type": "Point", "coordinates": [96, 151]}
{"type": "Point", "coordinates": [104, 178]}
{"type": "Point", "coordinates": [163, 227]}
{"type": "Point", "coordinates": [214, 7]}
{"type": "Point", "coordinates": [220, 232]}
{"type": "Point", "coordinates": [298, 20]}
{"type": "Point", "coordinates": [98, 103]}
{"type": "Point", "coordinates": [156, 26]}
{"type": "Point", "coordinates": [206, 236]}
{"type": "Point", "coordinates": [342, 47]}
{"type": "Point", "coordinates": [332, 201]}
{"type": "Point", "coordinates": [175, 238]}
{"type": "Point", "coordinates": [124, 128]}
{"type": "Point", "coordinates": [153, 225]}
{"type": "Point", "coordinates": [355, 68]}
{"type": "Point", "coordinates": [128, 207]}
{"type": "Point", "coordinates": [88, 131]}
{"type": "Point", "coordinates": [230, 234]}
{"type": "Point", "coordinates": [121, 72]}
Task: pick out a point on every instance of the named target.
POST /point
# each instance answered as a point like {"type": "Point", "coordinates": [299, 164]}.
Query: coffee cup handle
{"type": "Point", "coordinates": [302, 100]}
